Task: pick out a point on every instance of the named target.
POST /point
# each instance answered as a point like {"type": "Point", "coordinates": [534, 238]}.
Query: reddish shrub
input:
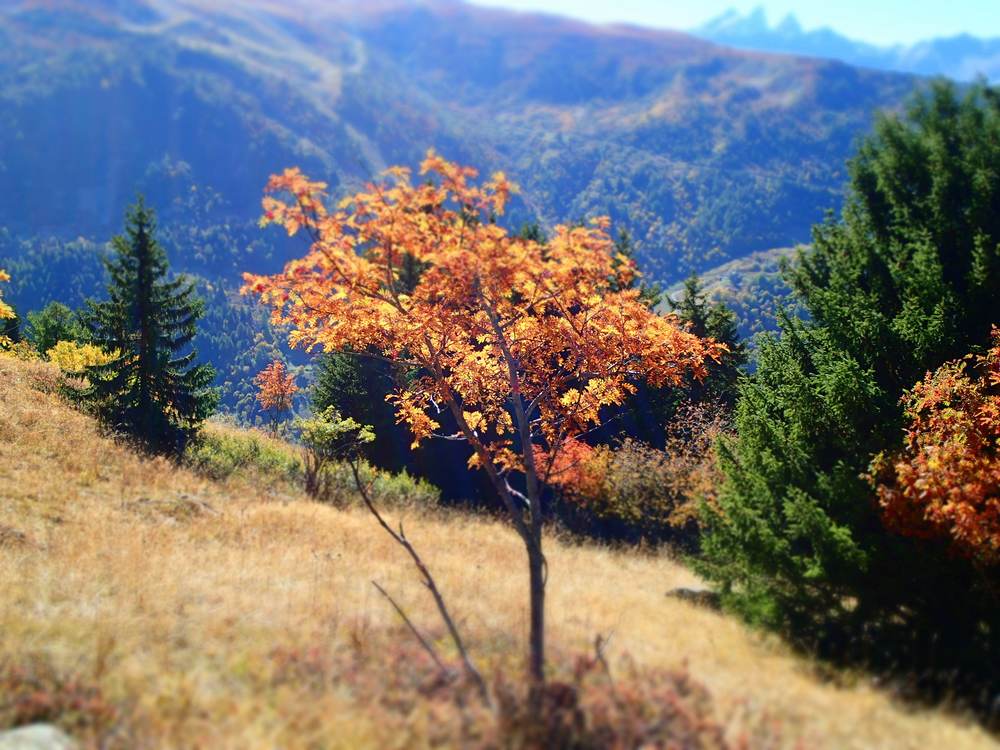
{"type": "Point", "coordinates": [945, 483]}
{"type": "Point", "coordinates": [32, 691]}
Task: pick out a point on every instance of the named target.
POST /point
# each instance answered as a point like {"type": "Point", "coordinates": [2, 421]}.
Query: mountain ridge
{"type": "Point", "coordinates": [962, 57]}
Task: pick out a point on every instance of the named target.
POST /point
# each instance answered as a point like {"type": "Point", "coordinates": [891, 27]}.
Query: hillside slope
{"type": "Point", "coordinates": [704, 153]}
{"type": "Point", "coordinates": [225, 615]}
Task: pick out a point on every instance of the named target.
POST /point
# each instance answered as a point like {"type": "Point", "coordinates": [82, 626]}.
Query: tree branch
{"type": "Point", "coordinates": [413, 629]}
{"type": "Point", "coordinates": [428, 581]}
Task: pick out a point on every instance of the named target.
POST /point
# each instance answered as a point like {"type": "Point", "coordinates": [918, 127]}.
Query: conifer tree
{"type": "Point", "coordinates": [152, 389]}
{"type": "Point", "coordinates": [716, 321]}
{"type": "Point", "coordinates": [55, 323]}
{"type": "Point", "coordinates": [902, 282]}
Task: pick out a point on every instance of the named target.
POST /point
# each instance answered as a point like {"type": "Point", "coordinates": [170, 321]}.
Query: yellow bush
{"type": "Point", "coordinates": [17, 349]}
{"type": "Point", "coordinates": [73, 357]}
{"type": "Point", "coordinates": [6, 311]}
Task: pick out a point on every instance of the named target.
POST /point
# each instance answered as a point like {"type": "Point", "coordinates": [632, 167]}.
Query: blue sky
{"type": "Point", "coordinates": [879, 21]}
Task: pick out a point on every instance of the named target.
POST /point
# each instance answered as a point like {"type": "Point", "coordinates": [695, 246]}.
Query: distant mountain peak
{"type": "Point", "coordinates": [789, 26]}
{"type": "Point", "coordinates": [962, 57]}
{"type": "Point", "coordinates": [734, 24]}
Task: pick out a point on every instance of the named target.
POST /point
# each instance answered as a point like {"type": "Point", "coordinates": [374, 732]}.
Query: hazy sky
{"type": "Point", "coordinates": [880, 21]}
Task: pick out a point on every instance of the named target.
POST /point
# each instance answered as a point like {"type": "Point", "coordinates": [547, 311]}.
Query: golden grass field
{"type": "Point", "coordinates": [172, 593]}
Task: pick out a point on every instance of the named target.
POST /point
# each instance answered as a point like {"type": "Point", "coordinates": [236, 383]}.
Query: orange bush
{"type": "Point", "coordinates": [638, 491]}
{"type": "Point", "coordinates": [945, 484]}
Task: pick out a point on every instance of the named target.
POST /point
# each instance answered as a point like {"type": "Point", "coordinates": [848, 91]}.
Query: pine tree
{"type": "Point", "coordinates": [716, 321]}
{"type": "Point", "coordinates": [898, 285]}
{"type": "Point", "coordinates": [152, 390]}
{"type": "Point", "coordinates": [625, 251]}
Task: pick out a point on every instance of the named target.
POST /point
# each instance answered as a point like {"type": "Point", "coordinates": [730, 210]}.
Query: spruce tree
{"type": "Point", "coordinates": [713, 320]}
{"type": "Point", "coordinates": [896, 286]}
{"type": "Point", "coordinates": [152, 390]}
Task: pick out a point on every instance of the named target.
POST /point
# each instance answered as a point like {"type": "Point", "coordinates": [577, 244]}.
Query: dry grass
{"type": "Point", "coordinates": [171, 594]}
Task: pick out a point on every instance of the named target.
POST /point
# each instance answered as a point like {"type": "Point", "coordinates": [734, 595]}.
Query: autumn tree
{"type": "Point", "coordinates": [518, 347]}
{"type": "Point", "coordinates": [945, 483]}
{"type": "Point", "coordinates": [275, 389]}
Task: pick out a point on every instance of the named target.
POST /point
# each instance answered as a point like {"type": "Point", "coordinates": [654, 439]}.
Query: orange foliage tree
{"type": "Point", "coordinates": [275, 388]}
{"type": "Point", "coordinates": [519, 346]}
{"type": "Point", "coordinates": [945, 484]}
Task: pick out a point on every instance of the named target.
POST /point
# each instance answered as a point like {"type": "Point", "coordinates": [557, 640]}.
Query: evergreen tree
{"type": "Point", "coordinates": [357, 387]}
{"type": "Point", "coordinates": [152, 389]}
{"type": "Point", "coordinates": [649, 410]}
{"type": "Point", "coordinates": [625, 248]}
{"type": "Point", "coordinates": [714, 320]}
{"type": "Point", "coordinates": [533, 232]}
{"type": "Point", "coordinates": [898, 285]}
{"type": "Point", "coordinates": [55, 323]}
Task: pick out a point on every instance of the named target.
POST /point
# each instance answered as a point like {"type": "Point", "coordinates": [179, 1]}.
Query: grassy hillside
{"type": "Point", "coordinates": [154, 607]}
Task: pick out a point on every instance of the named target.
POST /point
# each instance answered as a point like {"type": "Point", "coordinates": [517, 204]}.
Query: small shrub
{"type": "Point", "coordinates": [72, 357]}
{"type": "Point", "coordinates": [636, 491]}
{"type": "Point", "coordinates": [221, 453]}
{"type": "Point", "coordinates": [17, 349]}
{"type": "Point", "coordinates": [32, 691]}
{"type": "Point", "coordinates": [387, 489]}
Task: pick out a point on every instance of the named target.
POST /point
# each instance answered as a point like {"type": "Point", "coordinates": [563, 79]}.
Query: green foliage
{"type": "Point", "coordinates": [716, 321]}
{"type": "Point", "coordinates": [387, 489]}
{"type": "Point", "coordinates": [356, 386]}
{"type": "Point", "coordinates": [896, 286]}
{"type": "Point", "coordinates": [152, 389]}
{"type": "Point", "coordinates": [329, 437]}
{"type": "Point", "coordinates": [624, 247]}
{"type": "Point", "coordinates": [226, 453]}
{"type": "Point", "coordinates": [55, 323]}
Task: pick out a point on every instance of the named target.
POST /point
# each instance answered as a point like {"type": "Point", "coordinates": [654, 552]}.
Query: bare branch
{"type": "Point", "coordinates": [428, 581]}
{"type": "Point", "coordinates": [413, 629]}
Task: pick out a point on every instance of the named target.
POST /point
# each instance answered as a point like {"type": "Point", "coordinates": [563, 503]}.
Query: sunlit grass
{"type": "Point", "coordinates": [172, 593]}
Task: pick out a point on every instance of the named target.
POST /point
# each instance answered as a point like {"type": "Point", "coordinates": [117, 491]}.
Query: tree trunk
{"type": "Point", "coordinates": [536, 642]}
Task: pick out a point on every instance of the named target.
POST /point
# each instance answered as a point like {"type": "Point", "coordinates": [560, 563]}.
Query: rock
{"type": "Point", "coordinates": [36, 737]}
{"type": "Point", "coordinates": [698, 597]}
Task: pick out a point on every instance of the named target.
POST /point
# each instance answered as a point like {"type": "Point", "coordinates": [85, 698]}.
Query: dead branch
{"type": "Point", "coordinates": [413, 629]}
{"type": "Point", "coordinates": [428, 581]}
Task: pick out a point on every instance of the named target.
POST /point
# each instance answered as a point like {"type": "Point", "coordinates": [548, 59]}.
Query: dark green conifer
{"type": "Point", "coordinates": [713, 320]}
{"type": "Point", "coordinates": [152, 390]}
{"type": "Point", "coordinates": [902, 282]}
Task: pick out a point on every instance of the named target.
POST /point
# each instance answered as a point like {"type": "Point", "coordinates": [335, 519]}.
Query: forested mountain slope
{"type": "Point", "coordinates": [705, 154]}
